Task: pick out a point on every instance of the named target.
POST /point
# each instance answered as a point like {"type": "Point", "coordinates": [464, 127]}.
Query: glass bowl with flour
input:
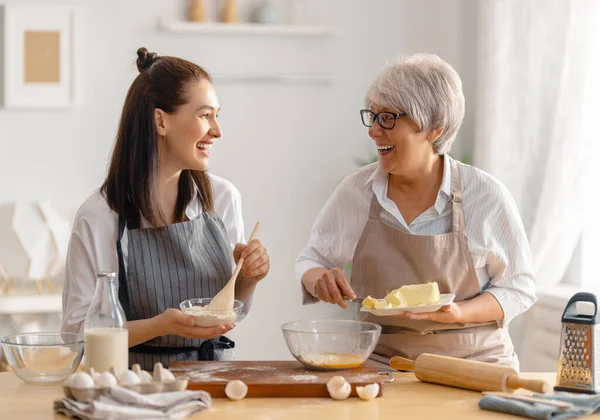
{"type": "Point", "coordinates": [206, 316]}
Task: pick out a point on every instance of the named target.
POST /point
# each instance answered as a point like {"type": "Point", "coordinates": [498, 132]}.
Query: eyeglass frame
{"type": "Point", "coordinates": [376, 118]}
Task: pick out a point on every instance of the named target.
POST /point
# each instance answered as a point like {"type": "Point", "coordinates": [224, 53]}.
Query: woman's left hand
{"type": "Point", "coordinates": [449, 314]}
{"type": "Point", "coordinates": [256, 260]}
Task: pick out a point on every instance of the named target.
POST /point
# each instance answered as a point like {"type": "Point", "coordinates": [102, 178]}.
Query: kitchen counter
{"type": "Point", "coordinates": [405, 398]}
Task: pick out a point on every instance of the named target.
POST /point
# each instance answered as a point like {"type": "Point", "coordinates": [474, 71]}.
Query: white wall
{"type": "Point", "coordinates": [285, 146]}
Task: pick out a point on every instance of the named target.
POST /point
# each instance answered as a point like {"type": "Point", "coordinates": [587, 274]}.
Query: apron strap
{"type": "Point", "coordinates": [458, 216]}
{"type": "Point", "coordinates": [206, 351]}
{"type": "Point", "coordinates": [375, 210]}
{"type": "Point", "coordinates": [123, 294]}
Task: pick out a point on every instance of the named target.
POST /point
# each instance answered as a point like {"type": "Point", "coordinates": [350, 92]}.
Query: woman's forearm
{"type": "Point", "coordinates": [244, 288]}
{"type": "Point", "coordinates": [142, 330]}
{"type": "Point", "coordinates": [483, 308]}
{"type": "Point", "coordinates": [310, 278]}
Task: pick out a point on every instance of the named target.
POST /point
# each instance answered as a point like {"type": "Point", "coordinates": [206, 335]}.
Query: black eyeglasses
{"type": "Point", "coordinates": [386, 120]}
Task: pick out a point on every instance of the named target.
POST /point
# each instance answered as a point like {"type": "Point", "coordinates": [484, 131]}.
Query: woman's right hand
{"type": "Point", "coordinates": [332, 286]}
{"type": "Point", "coordinates": [174, 322]}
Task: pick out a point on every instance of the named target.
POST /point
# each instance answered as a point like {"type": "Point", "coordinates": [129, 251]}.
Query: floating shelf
{"type": "Point", "coordinates": [33, 304]}
{"type": "Point", "coordinates": [214, 28]}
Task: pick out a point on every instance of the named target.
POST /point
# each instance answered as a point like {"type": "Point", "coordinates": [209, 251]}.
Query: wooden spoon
{"type": "Point", "coordinates": [225, 298]}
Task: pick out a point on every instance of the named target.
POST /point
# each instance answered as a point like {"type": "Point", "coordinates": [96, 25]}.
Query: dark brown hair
{"type": "Point", "coordinates": [130, 187]}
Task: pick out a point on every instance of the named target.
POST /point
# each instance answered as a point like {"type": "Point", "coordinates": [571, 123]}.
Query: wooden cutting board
{"type": "Point", "coordinates": [267, 379]}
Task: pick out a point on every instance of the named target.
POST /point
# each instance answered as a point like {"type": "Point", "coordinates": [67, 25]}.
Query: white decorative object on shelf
{"type": "Point", "coordinates": [268, 12]}
{"type": "Point", "coordinates": [37, 55]}
{"type": "Point", "coordinates": [33, 244]}
{"type": "Point", "coordinates": [245, 29]}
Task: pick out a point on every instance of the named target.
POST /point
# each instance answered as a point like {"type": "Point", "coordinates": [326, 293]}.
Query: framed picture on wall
{"type": "Point", "coordinates": [38, 53]}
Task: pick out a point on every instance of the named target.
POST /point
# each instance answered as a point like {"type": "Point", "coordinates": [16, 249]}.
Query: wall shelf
{"type": "Point", "coordinates": [259, 29]}
{"type": "Point", "coordinates": [30, 304]}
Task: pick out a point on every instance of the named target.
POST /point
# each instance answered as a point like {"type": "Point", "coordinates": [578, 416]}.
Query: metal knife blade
{"type": "Point", "coordinates": [357, 300]}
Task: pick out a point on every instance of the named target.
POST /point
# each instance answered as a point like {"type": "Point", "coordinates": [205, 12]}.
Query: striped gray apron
{"type": "Point", "coordinates": [165, 266]}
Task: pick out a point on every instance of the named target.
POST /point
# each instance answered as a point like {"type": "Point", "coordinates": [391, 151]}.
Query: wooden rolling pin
{"type": "Point", "coordinates": [467, 374]}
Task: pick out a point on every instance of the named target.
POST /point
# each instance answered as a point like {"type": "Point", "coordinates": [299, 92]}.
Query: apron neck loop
{"type": "Point", "coordinates": [375, 211]}
{"type": "Point", "coordinates": [123, 294]}
{"type": "Point", "coordinates": [458, 217]}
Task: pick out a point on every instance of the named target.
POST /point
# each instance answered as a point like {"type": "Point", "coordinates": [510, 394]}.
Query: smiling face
{"type": "Point", "coordinates": [187, 134]}
{"type": "Point", "coordinates": [402, 148]}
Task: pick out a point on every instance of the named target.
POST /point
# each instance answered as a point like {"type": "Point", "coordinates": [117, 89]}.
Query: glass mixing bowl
{"type": "Point", "coordinates": [331, 344]}
{"type": "Point", "coordinates": [43, 357]}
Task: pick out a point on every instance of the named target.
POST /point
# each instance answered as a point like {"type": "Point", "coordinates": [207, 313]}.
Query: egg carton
{"type": "Point", "coordinates": [151, 384]}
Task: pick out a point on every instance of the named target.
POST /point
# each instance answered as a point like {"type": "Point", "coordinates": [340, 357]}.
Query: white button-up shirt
{"type": "Point", "coordinates": [92, 247]}
{"type": "Point", "coordinates": [495, 233]}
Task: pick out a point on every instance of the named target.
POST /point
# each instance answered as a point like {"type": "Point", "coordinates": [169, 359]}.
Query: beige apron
{"type": "Point", "coordinates": [387, 258]}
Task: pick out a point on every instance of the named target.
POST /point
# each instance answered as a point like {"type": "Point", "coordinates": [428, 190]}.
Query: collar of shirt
{"type": "Point", "coordinates": [379, 184]}
{"type": "Point", "coordinates": [194, 208]}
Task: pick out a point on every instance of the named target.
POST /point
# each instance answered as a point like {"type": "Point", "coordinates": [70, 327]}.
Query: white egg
{"type": "Point", "coordinates": [367, 392]}
{"type": "Point", "coordinates": [129, 378]}
{"type": "Point", "coordinates": [105, 380]}
{"type": "Point", "coordinates": [145, 376]}
{"type": "Point", "coordinates": [80, 380]}
{"type": "Point", "coordinates": [167, 375]}
{"type": "Point", "coordinates": [339, 388]}
{"type": "Point", "coordinates": [236, 390]}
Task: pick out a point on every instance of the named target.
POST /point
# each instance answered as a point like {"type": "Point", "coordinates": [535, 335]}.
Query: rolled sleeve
{"type": "Point", "coordinates": [513, 302]}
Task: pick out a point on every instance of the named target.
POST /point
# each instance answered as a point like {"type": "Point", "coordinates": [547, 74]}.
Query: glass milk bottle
{"type": "Point", "coordinates": [105, 328]}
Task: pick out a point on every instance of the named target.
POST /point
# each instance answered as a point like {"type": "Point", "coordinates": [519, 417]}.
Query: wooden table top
{"type": "Point", "coordinates": [406, 398]}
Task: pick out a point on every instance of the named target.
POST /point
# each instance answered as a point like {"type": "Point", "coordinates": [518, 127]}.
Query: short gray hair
{"type": "Point", "coordinates": [428, 89]}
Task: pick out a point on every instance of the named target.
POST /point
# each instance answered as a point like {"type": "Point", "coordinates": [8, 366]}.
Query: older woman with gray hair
{"type": "Point", "coordinates": [418, 216]}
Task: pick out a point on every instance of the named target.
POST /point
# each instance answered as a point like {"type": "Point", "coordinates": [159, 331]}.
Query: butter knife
{"type": "Point", "coordinates": [357, 300]}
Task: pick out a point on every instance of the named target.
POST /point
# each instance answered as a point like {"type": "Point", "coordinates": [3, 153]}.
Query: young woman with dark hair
{"type": "Point", "coordinates": [169, 228]}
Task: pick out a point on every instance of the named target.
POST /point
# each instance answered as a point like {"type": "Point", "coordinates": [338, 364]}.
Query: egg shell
{"type": "Point", "coordinates": [236, 390]}
{"type": "Point", "coordinates": [106, 380]}
{"type": "Point", "coordinates": [367, 392]}
{"type": "Point", "coordinates": [80, 380]}
{"type": "Point", "coordinates": [145, 376]}
{"type": "Point", "coordinates": [168, 375]}
{"type": "Point", "coordinates": [129, 378]}
{"type": "Point", "coordinates": [339, 388]}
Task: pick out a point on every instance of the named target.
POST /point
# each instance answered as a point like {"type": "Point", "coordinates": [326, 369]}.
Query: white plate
{"type": "Point", "coordinates": [445, 299]}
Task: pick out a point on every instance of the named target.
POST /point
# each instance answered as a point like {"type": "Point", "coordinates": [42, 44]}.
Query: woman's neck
{"type": "Point", "coordinates": [422, 179]}
{"type": "Point", "coordinates": [168, 188]}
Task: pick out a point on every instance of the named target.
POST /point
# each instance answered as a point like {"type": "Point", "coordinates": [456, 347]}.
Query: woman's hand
{"type": "Point", "coordinates": [174, 322]}
{"type": "Point", "coordinates": [256, 260]}
{"type": "Point", "coordinates": [449, 314]}
{"type": "Point", "coordinates": [332, 286]}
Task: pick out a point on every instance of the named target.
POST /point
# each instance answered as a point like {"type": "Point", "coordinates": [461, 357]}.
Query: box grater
{"type": "Point", "coordinates": [578, 361]}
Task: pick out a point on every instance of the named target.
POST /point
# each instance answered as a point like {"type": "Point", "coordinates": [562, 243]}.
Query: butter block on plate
{"type": "Point", "coordinates": [406, 296]}
{"type": "Point", "coordinates": [420, 294]}
{"type": "Point", "coordinates": [382, 304]}
{"type": "Point", "coordinates": [396, 298]}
